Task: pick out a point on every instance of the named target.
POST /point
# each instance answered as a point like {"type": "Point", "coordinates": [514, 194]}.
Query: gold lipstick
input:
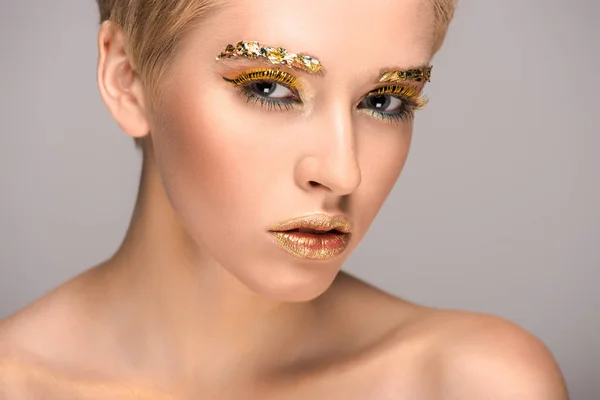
{"type": "Point", "coordinates": [313, 237]}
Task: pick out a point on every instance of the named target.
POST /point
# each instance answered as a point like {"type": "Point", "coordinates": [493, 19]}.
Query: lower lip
{"type": "Point", "coordinates": [312, 246]}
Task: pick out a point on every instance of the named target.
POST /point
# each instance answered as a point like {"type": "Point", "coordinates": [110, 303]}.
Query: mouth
{"type": "Point", "coordinates": [317, 237]}
{"type": "Point", "coordinates": [313, 231]}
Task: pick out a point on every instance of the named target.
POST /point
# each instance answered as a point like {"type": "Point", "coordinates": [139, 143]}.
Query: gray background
{"type": "Point", "coordinates": [497, 209]}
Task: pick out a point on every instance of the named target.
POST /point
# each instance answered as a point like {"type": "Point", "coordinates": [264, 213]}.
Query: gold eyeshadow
{"type": "Point", "coordinates": [410, 93]}
{"type": "Point", "coordinates": [266, 74]}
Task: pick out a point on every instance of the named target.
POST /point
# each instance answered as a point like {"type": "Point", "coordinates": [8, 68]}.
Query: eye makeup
{"type": "Point", "coordinates": [409, 97]}
{"type": "Point", "coordinates": [253, 85]}
{"type": "Point", "coordinates": [410, 93]}
{"type": "Point", "coordinates": [261, 75]}
{"type": "Point", "coordinates": [258, 84]}
{"type": "Point", "coordinates": [276, 55]}
{"type": "Point", "coordinates": [419, 74]}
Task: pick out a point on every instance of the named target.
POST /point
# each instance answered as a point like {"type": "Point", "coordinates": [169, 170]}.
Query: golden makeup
{"type": "Point", "coordinates": [409, 92]}
{"type": "Point", "coordinates": [266, 74]}
{"type": "Point", "coordinates": [408, 96]}
{"type": "Point", "coordinates": [319, 221]}
{"type": "Point", "coordinates": [276, 55]}
{"type": "Point", "coordinates": [313, 237]}
{"type": "Point", "coordinates": [421, 74]}
{"type": "Point", "coordinates": [312, 247]}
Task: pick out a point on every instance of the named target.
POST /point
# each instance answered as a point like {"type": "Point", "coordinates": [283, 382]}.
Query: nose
{"type": "Point", "coordinates": [331, 161]}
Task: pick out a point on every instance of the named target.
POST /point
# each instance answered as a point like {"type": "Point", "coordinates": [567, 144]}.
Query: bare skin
{"type": "Point", "coordinates": [367, 354]}
{"type": "Point", "coordinates": [96, 337]}
{"type": "Point", "coordinates": [196, 303]}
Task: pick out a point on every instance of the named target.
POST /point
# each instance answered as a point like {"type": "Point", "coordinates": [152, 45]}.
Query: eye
{"type": "Point", "coordinates": [382, 103]}
{"type": "Point", "coordinates": [272, 90]}
{"type": "Point", "coordinates": [394, 103]}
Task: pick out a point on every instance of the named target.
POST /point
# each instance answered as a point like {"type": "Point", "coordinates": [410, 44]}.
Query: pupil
{"type": "Point", "coordinates": [381, 101]}
{"type": "Point", "coordinates": [265, 87]}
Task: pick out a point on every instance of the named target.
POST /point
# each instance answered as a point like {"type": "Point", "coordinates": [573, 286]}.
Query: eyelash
{"type": "Point", "coordinates": [243, 82]}
{"type": "Point", "coordinates": [265, 102]}
{"type": "Point", "coordinates": [409, 96]}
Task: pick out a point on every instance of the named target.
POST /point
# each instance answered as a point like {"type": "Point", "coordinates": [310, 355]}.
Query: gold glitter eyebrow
{"type": "Point", "coordinates": [276, 55]}
{"type": "Point", "coordinates": [417, 74]}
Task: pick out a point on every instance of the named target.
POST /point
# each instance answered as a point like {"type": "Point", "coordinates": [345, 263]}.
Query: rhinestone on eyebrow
{"type": "Point", "coordinates": [417, 75]}
{"type": "Point", "coordinates": [275, 55]}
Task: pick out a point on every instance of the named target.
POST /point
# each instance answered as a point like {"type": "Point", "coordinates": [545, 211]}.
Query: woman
{"type": "Point", "coordinates": [272, 133]}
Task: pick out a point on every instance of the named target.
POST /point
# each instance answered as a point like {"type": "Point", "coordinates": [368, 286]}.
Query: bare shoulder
{"type": "Point", "coordinates": [21, 378]}
{"type": "Point", "coordinates": [16, 380]}
{"type": "Point", "coordinates": [39, 347]}
{"type": "Point", "coordinates": [475, 356]}
{"type": "Point", "coordinates": [56, 326]}
{"type": "Point", "coordinates": [11, 383]}
{"type": "Point", "coordinates": [429, 353]}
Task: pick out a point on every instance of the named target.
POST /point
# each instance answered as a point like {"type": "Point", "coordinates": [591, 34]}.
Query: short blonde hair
{"type": "Point", "coordinates": [153, 29]}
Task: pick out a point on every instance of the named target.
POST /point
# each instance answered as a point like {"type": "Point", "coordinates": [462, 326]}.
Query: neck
{"type": "Point", "coordinates": [181, 308]}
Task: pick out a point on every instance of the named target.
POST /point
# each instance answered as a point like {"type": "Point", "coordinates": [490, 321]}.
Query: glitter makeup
{"type": "Point", "coordinates": [276, 55]}
{"type": "Point", "coordinates": [421, 74]}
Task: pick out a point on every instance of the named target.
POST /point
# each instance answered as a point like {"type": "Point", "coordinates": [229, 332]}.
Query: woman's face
{"type": "Point", "coordinates": [233, 166]}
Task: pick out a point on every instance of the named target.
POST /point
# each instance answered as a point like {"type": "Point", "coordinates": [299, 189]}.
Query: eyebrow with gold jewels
{"type": "Point", "coordinates": [420, 74]}
{"type": "Point", "coordinates": [272, 55]}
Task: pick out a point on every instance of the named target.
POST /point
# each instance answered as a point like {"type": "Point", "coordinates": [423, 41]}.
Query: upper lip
{"type": "Point", "coordinates": [318, 222]}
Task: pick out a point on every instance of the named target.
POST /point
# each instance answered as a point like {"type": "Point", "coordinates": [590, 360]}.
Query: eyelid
{"type": "Point", "coordinates": [409, 92]}
{"type": "Point", "coordinates": [267, 74]}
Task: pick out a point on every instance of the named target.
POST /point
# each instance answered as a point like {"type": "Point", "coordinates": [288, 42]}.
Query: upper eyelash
{"type": "Point", "coordinates": [261, 75]}
{"type": "Point", "coordinates": [267, 75]}
{"type": "Point", "coordinates": [408, 93]}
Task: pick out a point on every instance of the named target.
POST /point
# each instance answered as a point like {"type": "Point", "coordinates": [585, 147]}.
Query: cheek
{"type": "Point", "coordinates": [382, 155]}
{"type": "Point", "coordinates": [210, 164]}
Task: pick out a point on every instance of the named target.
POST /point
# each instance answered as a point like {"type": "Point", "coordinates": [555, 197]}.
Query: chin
{"type": "Point", "coordinates": [295, 284]}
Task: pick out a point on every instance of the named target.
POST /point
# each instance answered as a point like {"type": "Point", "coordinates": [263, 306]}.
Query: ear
{"type": "Point", "coordinates": [119, 84]}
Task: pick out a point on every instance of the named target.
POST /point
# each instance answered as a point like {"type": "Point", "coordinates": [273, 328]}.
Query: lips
{"type": "Point", "coordinates": [313, 231]}
{"type": "Point", "coordinates": [315, 237]}
{"type": "Point", "coordinates": [316, 222]}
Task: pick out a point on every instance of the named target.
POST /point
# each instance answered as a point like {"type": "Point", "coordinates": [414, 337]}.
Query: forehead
{"type": "Point", "coordinates": [365, 35]}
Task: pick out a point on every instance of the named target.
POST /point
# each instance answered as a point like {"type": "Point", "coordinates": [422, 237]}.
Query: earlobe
{"type": "Point", "coordinates": [119, 84]}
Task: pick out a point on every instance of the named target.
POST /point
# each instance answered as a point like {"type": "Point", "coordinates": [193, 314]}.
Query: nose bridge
{"type": "Point", "coordinates": [338, 167]}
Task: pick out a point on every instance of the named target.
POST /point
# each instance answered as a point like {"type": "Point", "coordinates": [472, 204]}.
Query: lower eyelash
{"type": "Point", "coordinates": [269, 104]}
{"type": "Point", "coordinates": [402, 116]}
{"type": "Point", "coordinates": [407, 112]}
